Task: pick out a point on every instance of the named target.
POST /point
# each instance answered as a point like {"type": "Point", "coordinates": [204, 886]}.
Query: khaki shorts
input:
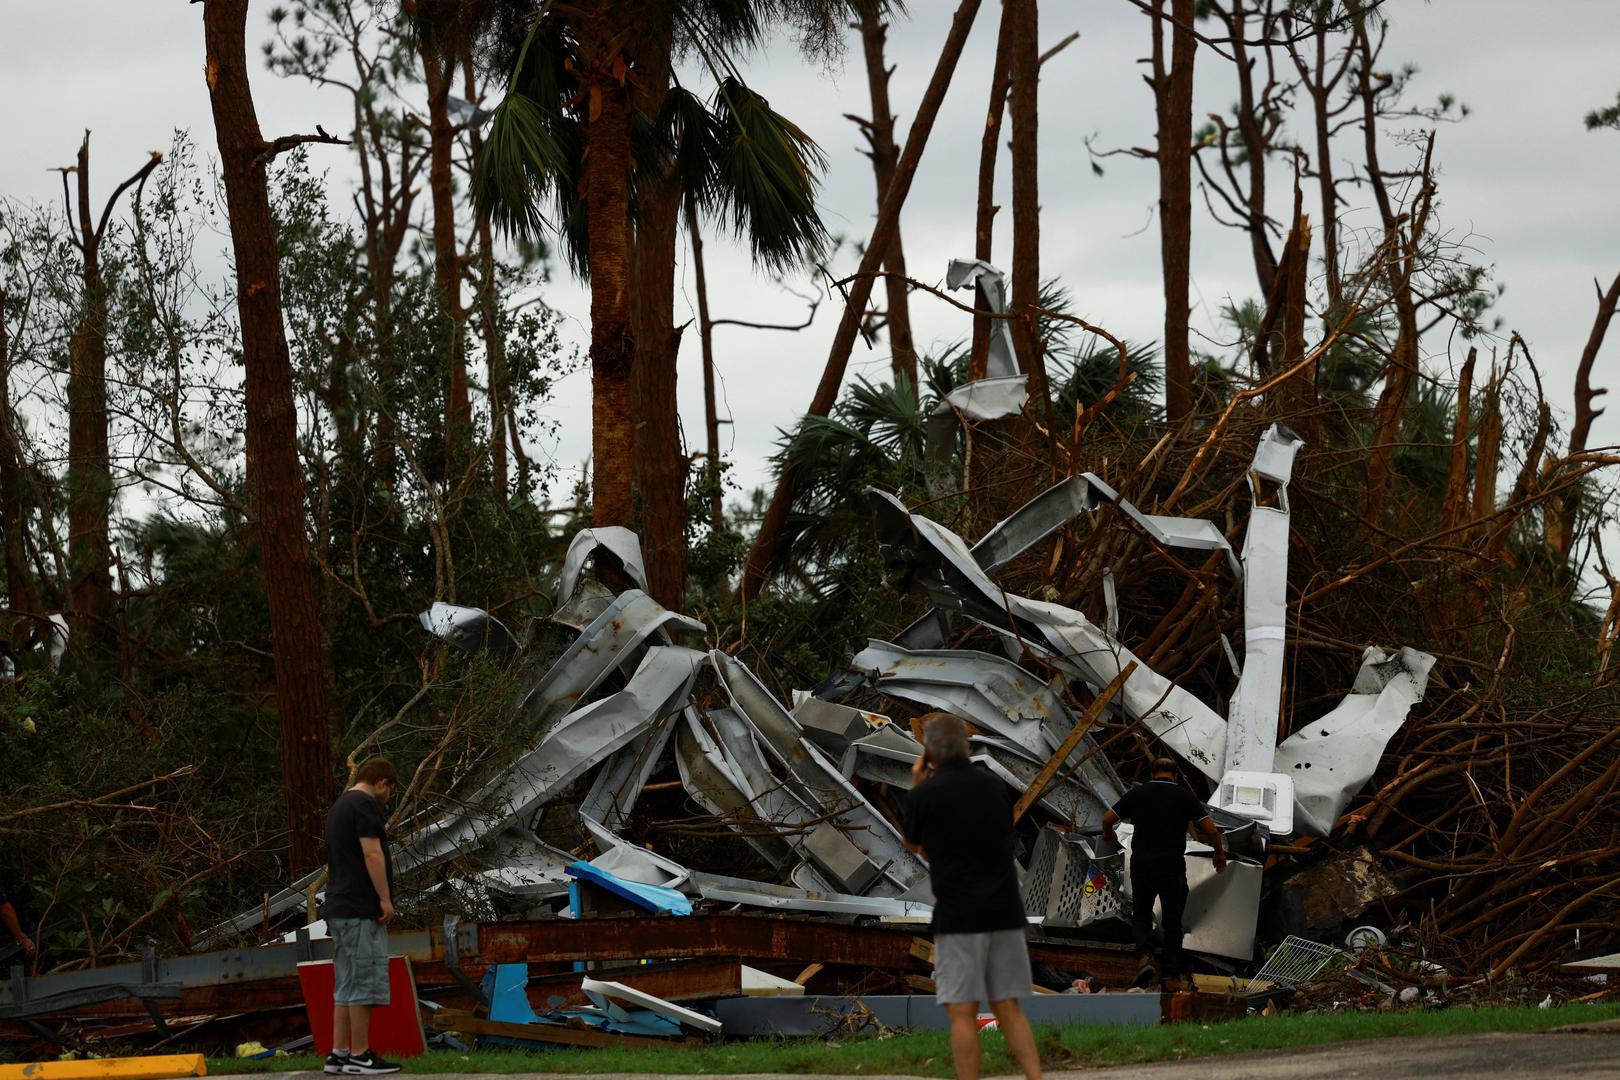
{"type": "Point", "coordinates": [989, 966]}
{"type": "Point", "coordinates": [360, 962]}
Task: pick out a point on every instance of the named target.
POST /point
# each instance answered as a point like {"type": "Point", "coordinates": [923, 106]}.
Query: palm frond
{"type": "Point", "coordinates": [517, 165]}
{"type": "Point", "coordinates": [763, 178]}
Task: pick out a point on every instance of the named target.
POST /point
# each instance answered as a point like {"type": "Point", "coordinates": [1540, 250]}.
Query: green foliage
{"type": "Point", "coordinates": [1606, 116]}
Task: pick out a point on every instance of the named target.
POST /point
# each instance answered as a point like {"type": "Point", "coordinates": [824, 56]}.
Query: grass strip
{"type": "Point", "coordinates": [927, 1053]}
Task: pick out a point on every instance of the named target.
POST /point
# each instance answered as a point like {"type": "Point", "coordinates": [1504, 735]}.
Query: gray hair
{"type": "Point", "coordinates": [945, 737]}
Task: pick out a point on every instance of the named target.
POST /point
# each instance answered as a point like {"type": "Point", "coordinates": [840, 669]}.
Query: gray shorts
{"type": "Point", "coordinates": [360, 962]}
{"type": "Point", "coordinates": [989, 966]}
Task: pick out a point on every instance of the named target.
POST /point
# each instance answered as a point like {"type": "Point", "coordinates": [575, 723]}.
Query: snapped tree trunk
{"type": "Point", "coordinates": [275, 473]}
{"type": "Point", "coordinates": [763, 552]}
{"type": "Point", "coordinates": [607, 199]}
{"type": "Point", "coordinates": [1172, 93]}
{"type": "Point", "coordinates": [985, 214]}
{"type": "Point", "coordinates": [660, 465]}
{"type": "Point", "coordinates": [89, 475]}
{"type": "Point", "coordinates": [885, 157]}
{"type": "Point", "coordinates": [711, 412]}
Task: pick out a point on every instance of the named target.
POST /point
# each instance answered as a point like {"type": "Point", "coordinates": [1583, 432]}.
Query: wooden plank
{"type": "Point", "coordinates": [808, 973]}
{"type": "Point", "coordinates": [1043, 779]}
{"type": "Point", "coordinates": [559, 1034]}
{"type": "Point", "coordinates": [162, 1067]}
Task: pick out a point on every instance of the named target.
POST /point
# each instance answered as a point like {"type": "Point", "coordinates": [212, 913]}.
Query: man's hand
{"type": "Point", "coordinates": [1219, 861]}
{"type": "Point", "coordinates": [921, 769]}
{"type": "Point", "coordinates": [27, 945]}
{"type": "Point", "coordinates": [388, 912]}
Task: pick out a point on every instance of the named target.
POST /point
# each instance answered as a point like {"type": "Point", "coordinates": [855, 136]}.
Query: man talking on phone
{"type": "Point", "coordinates": [958, 816]}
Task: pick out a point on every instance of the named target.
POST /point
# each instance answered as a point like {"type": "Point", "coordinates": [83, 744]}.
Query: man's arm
{"type": "Point", "coordinates": [8, 915]}
{"type": "Point", "coordinates": [1212, 836]}
{"type": "Point", "coordinates": [377, 870]}
{"type": "Point", "coordinates": [1110, 819]}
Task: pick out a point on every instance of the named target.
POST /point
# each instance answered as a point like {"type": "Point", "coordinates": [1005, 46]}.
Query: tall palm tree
{"type": "Point", "coordinates": [580, 131]}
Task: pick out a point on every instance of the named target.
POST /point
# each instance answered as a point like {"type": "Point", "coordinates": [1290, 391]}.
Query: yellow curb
{"type": "Point", "coordinates": [163, 1067]}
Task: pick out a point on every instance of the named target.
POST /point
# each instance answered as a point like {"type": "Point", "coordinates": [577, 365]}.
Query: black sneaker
{"type": "Point", "coordinates": [369, 1064]}
{"type": "Point", "coordinates": [335, 1062]}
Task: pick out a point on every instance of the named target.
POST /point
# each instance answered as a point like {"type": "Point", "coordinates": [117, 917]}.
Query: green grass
{"type": "Point", "coordinates": [928, 1053]}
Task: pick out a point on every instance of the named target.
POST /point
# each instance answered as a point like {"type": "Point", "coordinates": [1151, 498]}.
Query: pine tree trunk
{"type": "Point", "coordinates": [89, 476]}
{"type": "Point", "coordinates": [1024, 64]}
{"type": "Point", "coordinates": [275, 474]}
{"type": "Point", "coordinates": [1172, 90]}
{"type": "Point", "coordinates": [885, 157]}
{"type": "Point", "coordinates": [437, 72]}
{"type": "Point", "coordinates": [607, 198]}
{"type": "Point", "coordinates": [763, 551]}
{"type": "Point", "coordinates": [660, 465]}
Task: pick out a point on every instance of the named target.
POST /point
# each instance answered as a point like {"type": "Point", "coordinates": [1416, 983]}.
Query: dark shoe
{"type": "Point", "coordinates": [369, 1064]}
{"type": "Point", "coordinates": [1147, 973]}
{"type": "Point", "coordinates": [335, 1063]}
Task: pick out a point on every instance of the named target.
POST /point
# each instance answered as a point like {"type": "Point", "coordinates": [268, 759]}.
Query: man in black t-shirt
{"type": "Point", "coordinates": [1160, 812]}
{"type": "Point", "coordinates": [359, 905]}
{"type": "Point", "coordinates": [958, 816]}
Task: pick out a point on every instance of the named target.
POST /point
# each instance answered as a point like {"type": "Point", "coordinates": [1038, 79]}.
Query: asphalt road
{"type": "Point", "coordinates": [1591, 1053]}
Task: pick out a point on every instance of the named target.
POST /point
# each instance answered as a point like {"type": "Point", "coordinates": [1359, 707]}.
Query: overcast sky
{"type": "Point", "coordinates": [1538, 195]}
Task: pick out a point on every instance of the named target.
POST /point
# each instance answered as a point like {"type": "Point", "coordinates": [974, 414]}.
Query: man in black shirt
{"type": "Point", "coordinates": [359, 905]}
{"type": "Point", "coordinates": [1160, 812]}
{"type": "Point", "coordinates": [958, 816]}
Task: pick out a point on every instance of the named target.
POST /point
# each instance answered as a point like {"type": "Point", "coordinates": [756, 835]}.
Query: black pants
{"type": "Point", "coordinates": [1164, 878]}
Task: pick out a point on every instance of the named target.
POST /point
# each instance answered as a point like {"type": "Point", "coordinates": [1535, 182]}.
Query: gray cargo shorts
{"type": "Point", "coordinates": [360, 961]}
{"type": "Point", "coordinates": [988, 966]}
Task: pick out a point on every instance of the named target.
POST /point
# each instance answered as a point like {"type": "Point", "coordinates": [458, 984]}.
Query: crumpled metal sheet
{"type": "Point", "coordinates": [621, 542]}
{"type": "Point", "coordinates": [618, 783]}
{"type": "Point", "coordinates": [715, 783]}
{"type": "Point", "coordinates": [580, 740]}
{"type": "Point", "coordinates": [922, 554]}
{"type": "Point", "coordinates": [469, 629]}
{"type": "Point", "coordinates": [608, 643]}
{"type": "Point", "coordinates": [1194, 533]}
{"type": "Point", "coordinates": [1330, 760]}
{"type": "Point", "coordinates": [817, 780]}
{"type": "Point", "coordinates": [989, 692]}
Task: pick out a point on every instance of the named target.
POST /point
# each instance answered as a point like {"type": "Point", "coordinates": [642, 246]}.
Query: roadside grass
{"type": "Point", "coordinates": [928, 1053]}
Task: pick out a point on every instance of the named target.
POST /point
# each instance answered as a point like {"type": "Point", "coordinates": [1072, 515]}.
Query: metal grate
{"type": "Point", "coordinates": [1067, 885]}
{"type": "Point", "coordinates": [1297, 960]}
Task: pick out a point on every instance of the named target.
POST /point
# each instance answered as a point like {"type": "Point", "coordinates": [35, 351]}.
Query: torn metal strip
{"type": "Point", "coordinates": [619, 782]}
{"type": "Point", "coordinates": [990, 293]}
{"type": "Point", "coordinates": [785, 898]}
{"type": "Point", "coordinates": [714, 784]}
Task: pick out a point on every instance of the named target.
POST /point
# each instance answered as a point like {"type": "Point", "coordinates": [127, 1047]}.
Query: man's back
{"type": "Point", "coordinates": [962, 818]}
{"type": "Point", "coordinates": [1159, 812]}
{"type": "Point", "coordinates": [349, 891]}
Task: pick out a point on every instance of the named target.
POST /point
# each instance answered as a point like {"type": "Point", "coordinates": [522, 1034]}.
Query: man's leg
{"type": "Point", "coordinates": [359, 1029]}
{"type": "Point", "coordinates": [1020, 1039]}
{"type": "Point", "coordinates": [965, 1038]}
{"type": "Point", "coordinates": [1173, 906]}
{"type": "Point", "coordinates": [340, 1028]}
{"type": "Point", "coordinates": [1143, 891]}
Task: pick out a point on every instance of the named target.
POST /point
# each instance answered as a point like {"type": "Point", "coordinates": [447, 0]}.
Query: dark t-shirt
{"type": "Point", "coordinates": [349, 892]}
{"type": "Point", "coordinates": [1160, 810]}
{"type": "Point", "coordinates": [962, 817]}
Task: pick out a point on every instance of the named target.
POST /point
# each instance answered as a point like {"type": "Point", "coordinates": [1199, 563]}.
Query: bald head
{"type": "Point", "coordinates": [1164, 768]}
